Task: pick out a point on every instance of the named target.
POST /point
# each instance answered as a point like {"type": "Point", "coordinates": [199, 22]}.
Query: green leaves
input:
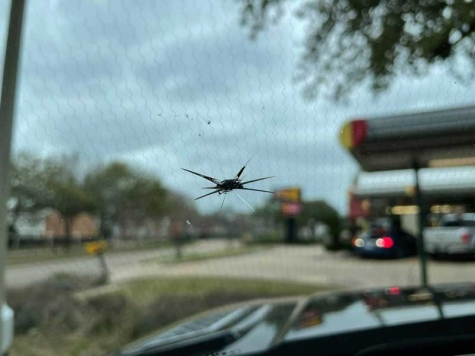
{"type": "Point", "coordinates": [64, 192]}
{"type": "Point", "coordinates": [117, 188]}
{"type": "Point", "coordinates": [348, 42]}
{"type": "Point", "coordinates": [113, 192]}
{"type": "Point", "coordinates": [319, 210]}
{"type": "Point", "coordinates": [316, 210]}
{"type": "Point", "coordinates": [47, 183]}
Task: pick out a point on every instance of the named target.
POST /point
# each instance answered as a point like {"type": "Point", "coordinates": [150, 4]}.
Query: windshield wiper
{"type": "Point", "coordinates": [221, 334]}
{"type": "Point", "coordinates": [198, 345]}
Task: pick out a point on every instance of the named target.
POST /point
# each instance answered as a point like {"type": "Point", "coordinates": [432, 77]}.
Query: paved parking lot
{"type": "Point", "coordinates": [311, 264]}
{"type": "Point", "coordinates": [306, 264]}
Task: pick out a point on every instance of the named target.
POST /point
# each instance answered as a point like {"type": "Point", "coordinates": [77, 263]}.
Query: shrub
{"type": "Point", "coordinates": [49, 305]}
{"type": "Point", "coordinates": [112, 312]}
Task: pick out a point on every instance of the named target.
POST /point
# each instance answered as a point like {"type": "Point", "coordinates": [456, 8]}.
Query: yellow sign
{"type": "Point", "coordinates": [292, 195]}
{"type": "Point", "coordinates": [96, 247]}
{"type": "Point", "coordinates": [346, 136]}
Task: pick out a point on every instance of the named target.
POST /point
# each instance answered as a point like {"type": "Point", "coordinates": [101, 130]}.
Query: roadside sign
{"type": "Point", "coordinates": [96, 247]}
{"type": "Point", "coordinates": [290, 199]}
{"type": "Point", "coordinates": [291, 209]}
{"type": "Point", "coordinates": [292, 195]}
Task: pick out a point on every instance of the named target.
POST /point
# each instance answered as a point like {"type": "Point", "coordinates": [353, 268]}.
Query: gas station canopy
{"type": "Point", "coordinates": [440, 138]}
{"type": "Point", "coordinates": [440, 184]}
{"type": "Point", "coordinates": [443, 138]}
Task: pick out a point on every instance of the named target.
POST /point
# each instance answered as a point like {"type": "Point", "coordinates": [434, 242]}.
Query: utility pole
{"type": "Point", "coordinates": [421, 252]}
{"type": "Point", "coordinates": [7, 112]}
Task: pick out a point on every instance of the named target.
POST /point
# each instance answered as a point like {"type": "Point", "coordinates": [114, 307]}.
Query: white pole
{"type": "Point", "coordinates": [7, 110]}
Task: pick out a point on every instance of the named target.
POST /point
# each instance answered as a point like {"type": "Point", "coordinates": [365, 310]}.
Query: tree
{"type": "Point", "coordinates": [180, 207]}
{"type": "Point", "coordinates": [182, 215]}
{"type": "Point", "coordinates": [316, 211]}
{"type": "Point", "coordinates": [146, 198]}
{"type": "Point", "coordinates": [350, 41]}
{"type": "Point", "coordinates": [24, 184]}
{"type": "Point", "coordinates": [49, 183]}
{"type": "Point", "coordinates": [270, 210]}
{"type": "Point", "coordinates": [109, 185]}
{"type": "Point", "coordinates": [122, 193]}
{"type": "Point", "coordinates": [63, 191]}
{"type": "Point", "coordinates": [319, 210]}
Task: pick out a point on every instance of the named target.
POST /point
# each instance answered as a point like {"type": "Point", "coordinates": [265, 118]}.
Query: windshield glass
{"type": "Point", "coordinates": [173, 157]}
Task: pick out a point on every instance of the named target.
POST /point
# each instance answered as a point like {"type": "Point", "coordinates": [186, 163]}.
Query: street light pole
{"type": "Point", "coordinates": [421, 252]}
{"type": "Point", "coordinates": [7, 111]}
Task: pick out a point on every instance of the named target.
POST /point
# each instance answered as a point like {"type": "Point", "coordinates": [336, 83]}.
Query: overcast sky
{"type": "Point", "coordinates": [171, 84]}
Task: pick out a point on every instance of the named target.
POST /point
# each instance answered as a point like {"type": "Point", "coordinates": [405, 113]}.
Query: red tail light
{"type": "Point", "coordinates": [385, 242]}
{"type": "Point", "coordinates": [393, 291]}
{"type": "Point", "coordinates": [465, 237]}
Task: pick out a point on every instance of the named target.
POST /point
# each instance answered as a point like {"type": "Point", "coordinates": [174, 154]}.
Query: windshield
{"type": "Point", "coordinates": [171, 158]}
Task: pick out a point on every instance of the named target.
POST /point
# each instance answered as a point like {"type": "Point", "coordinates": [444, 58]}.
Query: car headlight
{"type": "Point", "coordinates": [359, 242]}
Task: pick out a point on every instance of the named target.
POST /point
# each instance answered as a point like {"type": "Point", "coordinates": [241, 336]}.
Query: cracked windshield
{"type": "Point", "coordinates": [237, 177]}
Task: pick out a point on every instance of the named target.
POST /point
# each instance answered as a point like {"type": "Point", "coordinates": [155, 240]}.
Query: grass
{"type": "Point", "coordinates": [95, 327]}
{"type": "Point", "coordinates": [200, 256]}
{"type": "Point", "coordinates": [147, 289]}
{"type": "Point", "coordinates": [271, 238]}
{"type": "Point", "coordinates": [38, 344]}
{"type": "Point", "coordinates": [37, 255]}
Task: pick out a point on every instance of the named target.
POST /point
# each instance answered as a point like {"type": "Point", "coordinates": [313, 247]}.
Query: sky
{"type": "Point", "coordinates": [179, 84]}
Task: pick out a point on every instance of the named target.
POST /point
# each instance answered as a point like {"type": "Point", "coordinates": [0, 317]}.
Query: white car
{"type": "Point", "coordinates": [454, 235]}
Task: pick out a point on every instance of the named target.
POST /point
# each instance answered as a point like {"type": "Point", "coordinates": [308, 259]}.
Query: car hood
{"type": "Point", "coordinates": [260, 325]}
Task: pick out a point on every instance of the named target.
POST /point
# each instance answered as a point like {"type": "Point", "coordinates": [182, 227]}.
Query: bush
{"type": "Point", "coordinates": [270, 238]}
{"type": "Point", "coordinates": [333, 244]}
{"type": "Point", "coordinates": [112, 312]}
{"type": "Point", "coordinates": [50, 305]}
{"type": "Point", "coordinates": [63, 314]}
{"type": "Point", "coordinates": [41, 308]}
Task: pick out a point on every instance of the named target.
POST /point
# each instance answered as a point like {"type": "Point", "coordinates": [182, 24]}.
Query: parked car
{"type": "Point", "coordinates": [386, 240]}
{"type": "Point", "coordinates": [454, 236]}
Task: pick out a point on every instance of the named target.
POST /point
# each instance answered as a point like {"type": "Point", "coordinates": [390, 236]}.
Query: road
{"type": "Point", "coordinates": [305, 264]}
{"type": "Point", "coordinates": [311, 264]}
{"type": "Point", "coordinates": [25, 274]}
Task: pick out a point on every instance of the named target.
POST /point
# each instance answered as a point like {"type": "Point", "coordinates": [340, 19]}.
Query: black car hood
{"type": "Point", "coordinates": [269, 324]}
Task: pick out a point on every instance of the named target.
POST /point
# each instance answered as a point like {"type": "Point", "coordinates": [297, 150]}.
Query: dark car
{"type": "Point", "coordinates": [394, 320]}
{"type": "Point", "coordinates": [385, 242]}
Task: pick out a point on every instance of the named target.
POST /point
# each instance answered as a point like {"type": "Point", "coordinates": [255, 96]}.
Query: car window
{"type": "Point", "coordinates": [176, 158]}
